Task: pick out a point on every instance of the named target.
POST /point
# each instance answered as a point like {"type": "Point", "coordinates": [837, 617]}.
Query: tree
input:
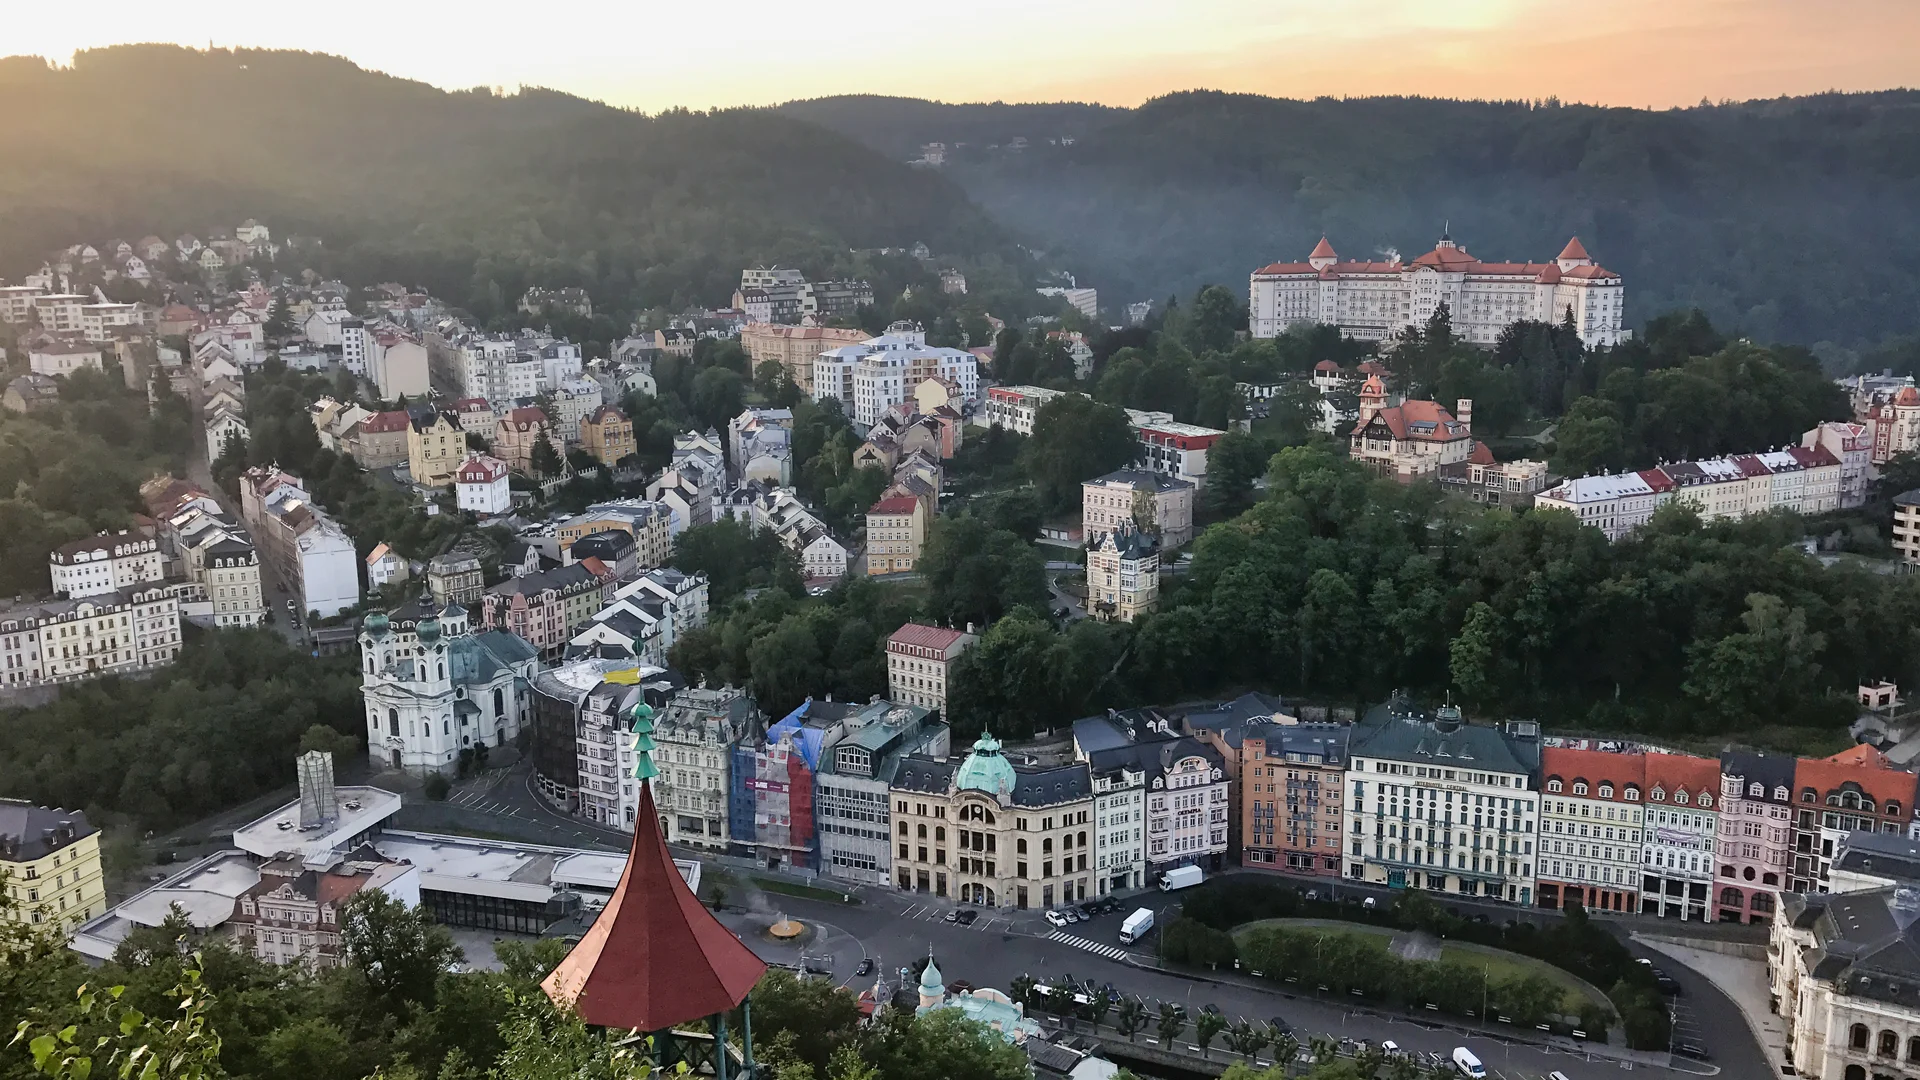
{"type": "Point", "coordinates": [1074, 440]}
{"type": "Point", "coordinates": [942, 1045]}
{"type": "Point", "coordinates": [327, 740]}
{"type": "Point", "coordinates": [1247, 1038]}
{"type": "Point", "coordinates": [976, 574]}
{"type": "Point", "coordinates": [1206, 1027]}
{"type": "Point", "coordinates": [398, 951]}
{"type": "Point", "coordinates": [184, 1047]}
{"type": "Point", "coordinates": [1171, 1023]}
{"type": "Point", "coordinates": [1021, 989]}
{"type": "Point", "coordinates": [717, 397]}
{"type": "Point", "coordinates": [1130, 1018]}
{"type": "Point", "coordinates": [1234, 462]}
{"type": "Point", "coordinates": [279, 324]}
{"type": "Point", "coordinates": [1286, 1048]}
{"type": "Point", "coordinates": [545, 460]}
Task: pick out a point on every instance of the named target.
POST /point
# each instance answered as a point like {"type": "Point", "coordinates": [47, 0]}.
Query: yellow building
{"type": "Point", "coordinates": [435, 448]}
{"type": "Point", "coordinates": [607, 434]}
{"type": "Point", "coordinates": [1123, 574]}
{"type": "Point", "coordinates": [896, 529]}
{"type": "Point", "coordinates": [50, 862]}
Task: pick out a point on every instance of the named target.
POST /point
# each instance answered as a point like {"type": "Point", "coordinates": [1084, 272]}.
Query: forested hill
{"type": "Point", "coordinates": [1792, 219]}
{"type": "Point", "coordinates": [406, 182]}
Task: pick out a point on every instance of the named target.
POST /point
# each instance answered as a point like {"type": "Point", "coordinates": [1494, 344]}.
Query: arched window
{"type": "Point", "coordinates": [1893, 809]}
{"type": "Point", "coordinates": [1046, 845]}
{"type": "Point", "coordinates": [1606, 791]}
{"type": "Point", "coordinates": [1756, 790]}
{"type": "Point", "coordinates": [1857, 1036]}
{"type": "Point", "coordinates": [1705, 800]}
{"type": "Point", "coordinates": [1780, 793]}
{"type": "Point", "coordinates": [1856, 1072]}
{"type": "Point", "coordinates": [393, 721]}
{"type": "Point", "coordinates": [1020, 846]}
{"type": "Point", "coordinates": [499, 703]}
{"type": "Point", "coordinates": [1631, 794]}
{"type": "Point", "coordinates": [1913, 1050]}
{"type": "Point", "coordinates": [1809, 795]}
{"type": "Point", "coordinates": [1889, 1044]}
{"type": "Point", "coordinates": [443, 671]}
{"type": "Point", "coordinates": [1731, 898]}
{"type": "Point", "coordinates": [1554, 785]}
{"type": "Point", "coordinates": [921, 830]}
{"type": "Point", "coordinates": [903, 828]}
{"type": "Point", "coordinates": [940, 834]}
{"type": "Point", "coordinates": [1083, 839]}
{"type": "Point", "coordinates": [1579, 787]}
{"type": "Point", "coordinates": [1066, 842]}
{"type": "Point", "coordinates": [446, 727]}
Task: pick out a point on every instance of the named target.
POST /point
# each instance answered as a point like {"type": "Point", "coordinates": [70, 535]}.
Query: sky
{"type": "Point", "coordinates": [657, 54]}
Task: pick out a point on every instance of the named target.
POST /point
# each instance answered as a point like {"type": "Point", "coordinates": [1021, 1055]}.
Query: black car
{"type": "Point", "coordinates": [1691, 1050]}
{"type": "Point", "coordinates": [865, 968]}
{"type": "Point", "coordinates": [1280, 1027]}
{"type": "Point", "coordinates": [967, 916]}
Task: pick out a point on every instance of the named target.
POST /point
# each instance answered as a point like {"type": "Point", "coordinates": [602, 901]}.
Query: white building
{"type": "Point", "coordinates": [823, 558]}
{"type": "Point", "coordinates": [306, 548]}
{"type": "Point", "coordinates": [104, 563]}
{"type": "Point", "coordinates": [1120, 812]}
{"type": "Point", "coordinates": [696, 734]}
{"type": "Point", "coordinates": [433, 688]}
{"type": "Point", "coordinates": [646, 617]}
{"type": "Point", "coordinates": [384, 565]}
{"type": "Point", "coordinates": [223, 424]}
{"type": "Point", "coordinates": [481, 485]}
{"type": "Point", "coordinates": [48, 354]}
{"type": "Point", "coordinates": [1801, 479]}
{"type": "Point", "coordinates": [1590, 829]}
{"type": "Point", "coordinates": [881, 372]}
{"type": "Point", "coordinates": [54, 641]}
{"type": "Point", "coordinates": [1444, 805]}
{"type": "Point", "coordinates": [852, 811]}
{"type": "Point", "coordinates": [1852, 445]}
{"type": "Point", "coordinates": [1682, 820]}
{"type": "Point", "coordinates": [1014, 407]}
{"type": "Point", "coordinates": [1841, 969]}
{"type": "Point", "coordinates": [98, 320]}
{"type": "Point", "coordinates": [573, 401]}
{"type": "Point", "coordinates": [1374, 300]}
{"type": "Point", "coordinates": [1085, 301]}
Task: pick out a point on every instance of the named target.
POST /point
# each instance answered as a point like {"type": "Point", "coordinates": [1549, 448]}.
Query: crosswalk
{"type": "Point", "coordinates": [1111, 952]}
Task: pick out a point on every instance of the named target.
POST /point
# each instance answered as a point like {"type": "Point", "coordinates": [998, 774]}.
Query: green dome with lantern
{"type": "Point", "coordinates": [986, 769]}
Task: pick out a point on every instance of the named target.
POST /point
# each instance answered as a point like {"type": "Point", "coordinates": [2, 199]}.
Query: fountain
{"type": "Point", "coordinates": [785, 929]}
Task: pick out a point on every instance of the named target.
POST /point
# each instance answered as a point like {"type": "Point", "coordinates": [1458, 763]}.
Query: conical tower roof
{"type": "Point", "coordinates": [655, 957]}
{"type": "Point", "coordinates": [1322, 250]}
{"type": "Point", "coordinates": [1574, 250]}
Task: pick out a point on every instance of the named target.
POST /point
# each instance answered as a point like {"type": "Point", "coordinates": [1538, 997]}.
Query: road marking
{"type": "Point", "coordinates": [1111, 952]}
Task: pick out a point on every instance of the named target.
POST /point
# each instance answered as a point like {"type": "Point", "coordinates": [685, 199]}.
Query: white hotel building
{"type": "Point", "coordinates": [1372, 301]}
{"type": "Point", "coordinates": [881, 372]}
{"type": "Point", "coordinates": [1806, 481]}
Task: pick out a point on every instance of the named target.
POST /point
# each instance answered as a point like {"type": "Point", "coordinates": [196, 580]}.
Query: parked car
{"type": "Point", "coordinates": [967, 916]}
{"type": "Point", "coordinates": [1056, 918]}
{"type": "Point", "coordinates": [953, 916]}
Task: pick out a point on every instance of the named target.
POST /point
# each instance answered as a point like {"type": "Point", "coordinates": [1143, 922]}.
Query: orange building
{"type": "Point", "coordinates": [1852, 791]}
{"type": "Point", "coordinates": [1290, 792]}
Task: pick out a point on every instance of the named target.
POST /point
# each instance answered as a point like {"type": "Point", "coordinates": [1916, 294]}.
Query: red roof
{"type": "Point", "coordinates": [526, 415]}
{"type": "Point", "coordinates": [1657, 480]}
{"type": "Point", "coordinates": [918, 635]}
{"type": "Point", "coordinates": [481, 469]}
{"type": "Point", "coordinates": [898, 504]}
{"type": "Point", "coordinates": [1323, 250]}
{"type": "Point", "coordinates": [666, 959]}
{"type": "Point", "coordinates": [1863, 766]}
{"type": "Point", "coordinates": [382, 422]}
{"type": "Point", "coordinates": [1574, 250]}
{"type": "Point", "coordinates": [1697, 776]}
{"type": "Point", "coordinates": [1436, 423]}
{"type": "Point", "coordinates": [1326, 365]}
{"type": "Point", "coordinates": [596, 567]}
{"type": "Point", "coordinates": [1480, 455]}
{"type": "Point", "coordinates": [1595, 767]}
{"type": "Point", "coordinates": [470, 404]}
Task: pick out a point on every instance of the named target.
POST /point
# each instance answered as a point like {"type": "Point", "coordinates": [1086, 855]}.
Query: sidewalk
{"type": "Point", "coordinates": [1744, 982]}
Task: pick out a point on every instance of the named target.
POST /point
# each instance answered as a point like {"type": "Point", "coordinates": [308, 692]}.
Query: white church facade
{"type": "Point", "coordinates": [1374, 300]}
{"type": "Point", "coordinates": [433, 688]}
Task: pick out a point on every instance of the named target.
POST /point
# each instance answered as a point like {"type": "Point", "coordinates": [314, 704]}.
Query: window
{"type": "Point", "coordinates": [1889, 1044]}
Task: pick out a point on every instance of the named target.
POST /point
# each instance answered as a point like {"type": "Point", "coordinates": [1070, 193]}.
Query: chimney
{"type": "Point", "coordinates": [1463, 412]}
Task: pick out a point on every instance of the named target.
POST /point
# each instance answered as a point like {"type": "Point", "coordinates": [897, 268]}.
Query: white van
{"type": "Point", "coordinates": [1467, 1063]}
{"type": "Point", "coordinates": [1556, 1075]}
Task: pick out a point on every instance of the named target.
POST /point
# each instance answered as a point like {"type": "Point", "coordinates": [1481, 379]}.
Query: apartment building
{"type": "Point", "coordinates": [1123, 574]}
{"type": "Point", "coordinates": [307, 550]}
{"type": "Point", "coordinates": [1841, 970]}
{"type": "Point", "coordinates": [435, 447]}
{"type": "Point", "coordinates": [1119, 816]}
{"type": "Point", "coordinates": [1412, 439]}
{"type": "Point", "coordinates": [645, 618]}
{"type": "Point", "coordinates": [896, 530]}
{"type": "Point", "coordinates": [696, 734]}
{"type": "Point", "coordinates": [1853, 791]}
{"type": "Point", "coordinates": [1291, 782]}
{"type": "Point", "coordinates": [517, 433]}
{"type": "Point", "coordinates": [49, 865]}
{"type": "Point", "coordinates": [66, 640]}
{"type": "Point", "coordinates": [1014, 407]}
{"type": "Point", "coordinates": [1682, 824]}
{"type": "Point", "coordinates": [380, 441]}
{"type": "Point", "coordinates": [1803, 480]}
{"type": "Point", "coordinates": [1591, 808]}
{"type": "Point", "coordinates": [292, 915]}
{"type": "Point", "coordinates": [852, 803]}
{"type": "Point", "coordinates": [106, 562]}
{"type": "Point", "coordinates": [1483, 480]}
{"type": "Point", "coordinates": [920, 661]}
{"type": "Point", "coordinates": [794, 347]}
{"type": "Point", "coordinates": [649, 523]}
{"type": "Point", "coordinates": [607, 434]}
{"type": "Point", "coordinates": [1753, 854]}
{"type": "Point", "coordinates": [481, 485]}
{"type": "Point", "coordinates": [548, 606]}
{"type": "Point", "coordinates": [989, 832]}
{"type": "Point", "coordinates": [1438, 803]}
{"type": "Point", "coordinates": [1158, 505]}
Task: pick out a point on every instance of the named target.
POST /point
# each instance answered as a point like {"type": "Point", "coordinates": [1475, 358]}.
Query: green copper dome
{"type": "Point", "coordinates": [931, 984]}
{"type": "Point", "coordinates": [985, 769]}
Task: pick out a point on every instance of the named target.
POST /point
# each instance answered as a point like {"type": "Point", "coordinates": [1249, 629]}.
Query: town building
{"type": "Point", "coordinates": [1441, 804]}
{"type": "Point", "coordinates": [794, 347]}
{"type": "Point", "coordinates": [435, 689]}
{"type": "Point", "coordinates": [66, 640]}
{"type": "Point", "coordinates": [308, 551]}
{"type": "Point", "coordinates": [106, 562]}
{"type": "Point", "coordinates": [1290, 783]}
{"type": "Point", "coordinates": [1888, 407]}
{"type": "Point", "coordinates": [1123, 574]}
{"type": "Point", "coordinates": [1021, 835]}
{"type": "Point", "coordinates": [516, 435]}
{"type": "Point", "coordinates": [547, 607]}
{"type": "Point", "coordinates": [49, 866]}
{"type": "Point", "coordinates": [1841, 971]}
{"type": "Point", "coordinates": [1754, 852]}
{"type": "Point", "coordinates": [1376, 300]}
{"type": "Point", "coordinates": [457, 578]}
{"type": "Point", "coordinates": [896, 530]}
{"type": "Point", "coordinates": [571, 301]}
{"type": "Point", "coordinates": [1179, 788]}
{"type": "Point", "coordinates": [384, 565]}
{"type": "Point", "coordinates": [435, 447]}
{"type": "Point", "coordinates": [1591, 808]}
{"type": "Point", "coordinates": [920, 661]}
{"type": "Point", "coordinates": [1851, 444]}
{"type": "Point", "coordinates": [1682, 824]}
{"type": "Point", "coordinates": [1483, 480]}
{"type": "Point", "coordinates": [760, 445]}
{"type": "Point", "coordinates": [1853, 791]}
{"type": "Point", "coordinates": [292, 915]}
{"type": "Point", "coordinates": [1410, 440]}
{"type": "Point", "coordinates": [992, 1009]}
{"type": "Point", "coordinates": [851, 799]}
{"type": "Point", "coordinates": [1805, 481]}
{"type": "Point", "coordinates": [649, 523]}
{"type": "Point", "coordinates": [607, 434]}
{"type": "Point", "coordinates": [881, 372]}
{"type": "Point", "coordinates": [573, 401]}
{"type": "Point", "coordinates": [697, 732]}
{"type": "Point", "coordinates": [1157, 505]}
{"type": "Point", "coordinates": [1172, 449]}
{"type": "Point", "coordinates": [1084, 301]}
{"type": "Point", "coordinates": [1119, 811]}
{"type": "Point", "coordinates": [31, 393]}
{"type": "Point", "coordinates": [1014, 407]}
{"type": "Point", "coordinates": [54, 354]}
{"type": "Point", "coordinates": [645, 618]}
{"type": "Point", "coordinates": [1906, 526]}
{"type": "Point", "coordinates": [481, 485]}
{"type": "Point", "coordinates": [380, 441]}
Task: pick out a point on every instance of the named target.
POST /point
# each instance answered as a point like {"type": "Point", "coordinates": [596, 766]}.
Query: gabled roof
{"type": "Point", "coordinates": [919, 635]}
{"type": "Point", "coordinates": [898, 504]}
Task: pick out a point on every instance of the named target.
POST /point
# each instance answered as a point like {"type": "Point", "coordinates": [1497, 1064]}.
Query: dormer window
{"type": "Point", "coordinates": [1756, 791]}
{"type": "Point", "coordinates": [1554, 786]}
{"type": "Point", "coordinates": [1631, 794]}
{"type": "Point", "coordinates": [1706, 800]}
{"type": "Point", "coordinates": [1606, 791]}
{"type": "Point", "coordinates": [1780, 793]}
{"type": "Point", "coordinates": [1658, 795]}
{"type": "Point", "coordinates": [1579, 787]}
{"type": "Point", "coordinates": [1681, 798]}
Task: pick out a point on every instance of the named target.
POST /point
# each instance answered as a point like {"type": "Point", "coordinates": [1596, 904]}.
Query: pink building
{"type": "Point", "coordinates": [1755, 845]}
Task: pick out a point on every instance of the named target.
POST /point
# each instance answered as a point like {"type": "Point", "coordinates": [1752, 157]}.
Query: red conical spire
{"type": "Point", "coordinates": [1575, 250]}
{"type": "Point", "coordinates": [1322, 250]}
{"type": "Point", "coordinates": [654, 958]}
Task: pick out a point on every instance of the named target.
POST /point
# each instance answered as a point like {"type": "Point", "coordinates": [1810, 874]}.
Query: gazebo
{"type": "Point", "coordinates": [656, 959]}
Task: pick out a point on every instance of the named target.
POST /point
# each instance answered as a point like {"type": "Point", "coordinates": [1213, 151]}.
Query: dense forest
{"type": "Point", "coordinates": [1782, 219]}
{"type": "Point", "coordinates": [471, 194]}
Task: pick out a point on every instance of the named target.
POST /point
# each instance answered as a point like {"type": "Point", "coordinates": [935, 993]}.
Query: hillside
{"type": "Point", "coordinates": [1789, 219]}
{"type": "Point", "coordinates": [456, 191]}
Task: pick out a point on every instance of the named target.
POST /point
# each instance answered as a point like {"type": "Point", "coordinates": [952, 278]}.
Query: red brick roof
{"type": "Point", "coordinates": [1595, 767]}
{"type": "Point", "coordinates": [382, 422]}
{"type": "Point", "coordinates": [1323, 250]}
{"type": "Point", "coordinates": [1574, 250]}
{"type": "Point", "coordinates": [918, 635]}
{"type": "Point", "coordinates": [1863, 766]}
{"type": "Point", "coordinates": [898, 504]}
{"type": "Point", "coordinates": [1480, 455]}
{"type": "Point", "coordinates": [1668, 773]}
